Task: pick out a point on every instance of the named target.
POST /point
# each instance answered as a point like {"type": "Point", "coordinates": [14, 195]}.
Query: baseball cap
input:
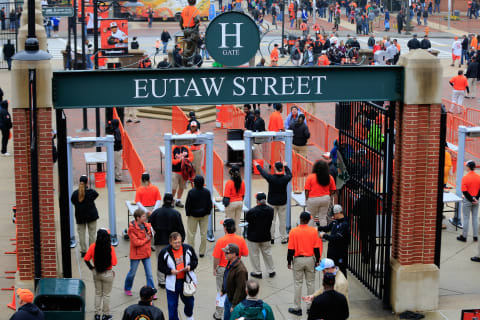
{"type": "Point", "coordinates": [231, 248]}
{"type": "Point", "coordinates": [471, 164]}
{"type": "Point", "coordinates": [193, 124]}
{"type": "Point", "coordinates": [329, 279]}
{"type": "Point", "coordinates": [261, 196]}
{"type": "Point", "coordinates": [191, 113]}
{"type": "Point", "coordinates": [147, 292]}
{"type": "Point", "coordinates": [337, 208]}
{"type": "Point", "coordinates": [84, 179]}
{"type": "Point", "coordinates": [25, 295]}
{"type": "Point", "coordinates": [325, 264]}
{"type": "Point", "coordinates": [228, 222]}
{"type": "Point", "coordinates": [113, 24]}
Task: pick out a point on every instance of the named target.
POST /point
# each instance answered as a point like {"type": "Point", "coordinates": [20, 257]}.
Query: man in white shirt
{"type": "Point", "coordinates": [456, 51]}
{"type": "Point", "coordinates": [118, 38]}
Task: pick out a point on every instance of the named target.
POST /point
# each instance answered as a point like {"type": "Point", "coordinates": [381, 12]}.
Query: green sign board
{"type": "Point", "coordinates": [57, 11]}
{"type": "Point", "coordinates": [232, 38]}
{"type": "Point", "coordinates": [212, 86]}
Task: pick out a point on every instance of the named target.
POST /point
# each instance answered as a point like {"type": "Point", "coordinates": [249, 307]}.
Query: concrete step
{"type": "Point", "coordinates": [204, 114]}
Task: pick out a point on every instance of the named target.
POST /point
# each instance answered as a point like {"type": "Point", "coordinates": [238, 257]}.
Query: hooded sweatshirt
{"type": "Point", "coordinates": [199, 199]}
{"type": "Point", "coordinates": [253, 309]}
{"type": "Point", "coordinates": [28, 311]}
{"type": "Point", "coordinates": [5, 118]}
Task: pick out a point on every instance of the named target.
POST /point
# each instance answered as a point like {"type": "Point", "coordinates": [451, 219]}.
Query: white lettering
{"type": "Point", "coordinates": [154, 93]}
{"type": "Point", "coordinates": [319, 78]}
{"type": "Point", "coordinates": [302, 84]}
{"type": "Point", "coordinates": [286, 85]}
{"type": "Point", "coordinates": [138, 88]}
{"type": "Point", "coordinates": [225, 35]}
{"type": "Point", "coordinates": [192, 86]}
{"type": "Point", "coordinates": [176, 80]}
{"type": "Point", "coordinates": [254, 84]}
{"type": "Point", "coordinates": [212, 85]}
{"type": "Point", "coordinates": [239, 86]}
{"type": "Point", "coordinates": [270, 86]}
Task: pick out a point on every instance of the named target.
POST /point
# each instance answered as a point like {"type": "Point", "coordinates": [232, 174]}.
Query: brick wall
{"type": "Point", "coordinates": [415, 183]}
{"type": "Point", "coordinates": [21, 142]}
{"type": "Point", "coordinates": [456, 5]}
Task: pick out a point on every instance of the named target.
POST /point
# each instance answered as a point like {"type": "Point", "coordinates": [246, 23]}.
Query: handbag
{"type": "Point", "coordinates": [189, 288]}
{"type": "Point", "coordinates": [226, 201]}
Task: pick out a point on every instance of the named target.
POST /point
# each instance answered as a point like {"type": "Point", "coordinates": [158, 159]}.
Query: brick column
{"type": "Point", "coordinates": [415, 277]}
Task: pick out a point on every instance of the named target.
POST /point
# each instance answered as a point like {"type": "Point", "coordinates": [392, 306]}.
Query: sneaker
{"type": "Point", "coordinates": [128, 293]}
{"type": "Point", "coordinates": [475, 259]}
{"type": "Point", "coordinates": [179, 204]}
{"type": "Point", "coordinates": [272, 274]}
{"type": "Point", "coordinates": [475, 239]}
{"type": "Point", "coordinates": [6, 154]}
{"type": "Point", "coordinates": [83, 254]}
{"type": "Point", "coordinates": [297, 312]}
{"type": "Point", "coordinates": [107, 317]}
{"type": "Point", "coordinates": [155, 297]}
{"type": "Point", "coordinates": [201, 255]}
{"type": "Point", "coordinates": [118, 180]}
{"type": "Point", "coordinates": [256, 275]}
{"type": "Point", "coordinates": [214, 317]}
{"type": "Point", "coordinates": [137, 121]}
{"type": "Point", "coordinates": [461, 238]}
{"type": "Point", "coordinates": [129, 120]}
{"type": "Point", "coordinates": [97, 317]}
{"type": "Point", "coordinates": [285, 241]}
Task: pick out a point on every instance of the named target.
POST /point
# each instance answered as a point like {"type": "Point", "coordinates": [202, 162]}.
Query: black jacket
{"type": "Point", "coordinates": [371, 42]}
{"type": "Point", "coordinates": [162, 263]}
{"type": "Point", "coordinates": [259, 220]}
{"type": "Point", "coordinates": [166, 220]}
{"type": "Point", "coordinates": [330, 305]}
{"type": "Point", "coordinates": [425, 44]}
{"type": "Point", "coordinates": [5, 118]}
{"type": "Point", "coordinates": [465, 44]}
{"type": "Point", "coordinates": [145, 309]}
{"type": "Point", "coordinates": [85, 211]}
{"type": "Point", "coordinates": [249, 120]}
{"type": "Point", "coordinates": [338, 239]}
{"type": "Point", "coordinates": [413, 44]}
{"type": "Point", "coordinates": [8, 51]}
{"type": "Point", "coordinates": [117, 144]}
{"type": "Point", "coordinates": [277, 186]}
{"type": "Point", "coordinates": [259, 125]}
{"type": "Point", "coordinates": [472, 70]}
{"type": "Point", "coordinates": [28, 311]}
{"type": "Point", "coordinates": [165, 37]}
{"type": "Point", "coordinates": [179, 149]}
{"type": "Point", "coordinates": [199, 200]}
{"type": "Point", "coordinates": [301, 134]}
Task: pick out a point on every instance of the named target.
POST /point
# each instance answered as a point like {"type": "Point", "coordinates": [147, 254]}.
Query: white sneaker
{"type": "Point", "coordinates": [189, 318]}
{"type": "Point", "coordinates": [6, 154]}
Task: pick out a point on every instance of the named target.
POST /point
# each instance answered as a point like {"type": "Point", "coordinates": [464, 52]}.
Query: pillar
{"type": "Point", "coordinates": [414, 276]}
{"type": "Point", "coordinates": [40, 32]}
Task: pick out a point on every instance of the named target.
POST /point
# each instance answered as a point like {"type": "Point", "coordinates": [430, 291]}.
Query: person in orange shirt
{"type": "Point", "coordinates": [147, 195]}
{"type": "Point", "coordinates": [323, 60]}
{"type": "Point", "coordinates": [447, 167]}
{"type": "Point", "coordinates": [319, 188]}
{"type": "Point", "coordinates": [471, 194]}
{"type": "Point", "coordinates": [219, 260]}
{"type": "Point", "coordinates": [104, 258]}
{"type": "Point", "coordinates": [274, 53]}
{"type": "Point", "coordinates": [459, 84]}
{"type": "Point", "coordinates": [304, 252]}
{"type": "Point", "coordinates": [234, 192]}
{"type": "Point", "coordinates": [275, 123]}
{"type": "Point", "coordinates": [197, 149]}
{"type": "Point", "coordinates": [179, 155]}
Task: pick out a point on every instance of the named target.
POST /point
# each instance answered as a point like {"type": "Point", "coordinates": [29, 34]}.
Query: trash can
{"type": "Point", "coordinates": [61, 299]}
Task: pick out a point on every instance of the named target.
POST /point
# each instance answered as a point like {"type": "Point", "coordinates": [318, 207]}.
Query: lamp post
{"type": "Point", "coordinates": [283, 29]}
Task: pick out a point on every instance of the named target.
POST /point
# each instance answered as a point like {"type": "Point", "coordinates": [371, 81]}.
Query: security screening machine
{"type": "Point", "coordinates": [189, 139]}
{"type": "Point", "coordinates": [90, 142]}
{"type": "Point", "coordinates": [263, 137]}
{"type": "Point", "coordinates": [463, 133]}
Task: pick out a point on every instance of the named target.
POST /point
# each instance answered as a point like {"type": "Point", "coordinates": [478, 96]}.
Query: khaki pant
{"type": "Point", "coordinates": [132, 113]}
{"type": "Point", "coordinates": [301, 150]}
{"type": "Point", "coordinates": [303, 267]}
{"type": "Point", "coordinates": [197, 161]}
{"type": "Point", "coordinates": [457, 97]}
{"type": "Point", "coordinates": [160, 275]}
{"type": "Point", "coordinates": [192, 223]}
{"type": "Point", "coordinates": [472, 85]}
{"type": "Point", "coordinates": [118, 164]}
{"type": "Point", "coordinates": [318, 208]}
{"type": "Point", "coordinates": [234, 211]}
{"type": "Point", "coordinates": [219, 282]}
{"type": "Point", "coordinates": [280, 214]}
{"type": "Point", "coordinates": [92, 234]}
{"type": "Point", "coordinates": [103, 287]}
{"type": "Point", "coordinates": [177, 181]}
{"type": "Point", "coordinates": [254, 249]}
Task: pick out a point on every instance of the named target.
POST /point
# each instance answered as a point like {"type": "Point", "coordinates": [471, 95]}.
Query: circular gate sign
{"type": "Point", "coordinates": [232, 38]}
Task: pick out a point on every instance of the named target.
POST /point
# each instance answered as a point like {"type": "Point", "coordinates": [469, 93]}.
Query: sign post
{"type": "Point", "coordinates": [57, 11]}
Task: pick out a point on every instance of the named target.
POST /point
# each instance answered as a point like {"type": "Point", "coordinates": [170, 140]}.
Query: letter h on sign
{"type": "Point", "coordinates": [236, 34]}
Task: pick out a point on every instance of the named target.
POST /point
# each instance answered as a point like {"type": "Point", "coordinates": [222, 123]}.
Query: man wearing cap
{"type": "Point", "coordinates": [234, 279]}
{"type": "Point", "coordinates": [197, 149]}
{"type": "Point", "coordinates": [456, 52]}
{"type": "Point", "coordinates": [117, 38]}
{"type": "Point", "coordinates": [304, 252]}
{"type": "Point", "coordinates": [338, 238]}
{"type": "Point", "coordinates": [219, 258]}
{"type": "Point", "coordinates": [144, 309]}
{"type": "Point", "coordinates": [165, 220]}
{"type": "Point", "coordinates": [259, 220]}
{"type": "Point", "coordinates": [471, 194]}
{"type": "Point", "coordinates": [330, 304]}
{"type": "Point", "coordinates": [258, 126]}
{"type": "Point", "coordinates": [341, 283]}
{"type": "Point", "coordinates": [277, 196]}
{"type": "Point", "coordinates": [27, 310]}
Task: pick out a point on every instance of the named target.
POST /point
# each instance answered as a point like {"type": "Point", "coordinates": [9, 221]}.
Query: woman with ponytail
{"type": "Point", "coordinates": [104, 258]}
{"type": "Point", "coordinates": [86, 214]}
{"type": "Point", "coordinates": [234, 192]}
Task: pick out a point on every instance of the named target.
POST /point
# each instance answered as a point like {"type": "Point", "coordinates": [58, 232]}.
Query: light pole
{"type": "Point", "coordinates": [283, 29]}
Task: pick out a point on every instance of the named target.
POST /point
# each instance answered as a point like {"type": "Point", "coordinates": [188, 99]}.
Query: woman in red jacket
{"type": "Point", "coordinates": [140, 234]}
{"type": "Point", "coordinates": [235, 191]}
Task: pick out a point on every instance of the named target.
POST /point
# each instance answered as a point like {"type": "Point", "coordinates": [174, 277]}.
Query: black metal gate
{"type": "Point", "coordinates": [9, 25]}
{"type": "Point", "coordinates": [365, 157]}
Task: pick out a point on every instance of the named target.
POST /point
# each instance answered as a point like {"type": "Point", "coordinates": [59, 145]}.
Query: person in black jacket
{"type": "Point", "coordinates": [198, 207]}
{"type": "Point", "coordinates": [338, 238]}
{"type": "Point", "coordinates": [27, 310]}
{"type": "Point", "coordinates": [330, 304]}
{"type": "Point", "coordinates": [144, 309]}
{"type": "Point", "coordinates": [249, 117]}
{"type": "Point", "coordinates": [277, 196]}
{"type": "Point", "coordinates": [259, 220]}
{"type": "Point", "coordinates": [258, 126]}
{"type": "Point", "coordinates": [425, 43]}
{"type": "Point", "coordinates": [8, 52]}
{"type": "Point", "coordinates": [301, 134]}
{"type": "Point", "coordinates": [86, 213]}
{"type": "Point", "coordinates": [165, 220]}
{"type": "Point", "coordinates": [472, 74]}
{"type": "Point", "coordinates": [165, 37]}
{"type": "Point", "coordinates": [5, 123]}
{"type": "Point", "coordinates": [117, 150]}
{"type": "Point", "coordinates": [413, 43]}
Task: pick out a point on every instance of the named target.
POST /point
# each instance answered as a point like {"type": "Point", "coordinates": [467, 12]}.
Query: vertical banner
{"type": "Point", "coordinates": [114, 36]}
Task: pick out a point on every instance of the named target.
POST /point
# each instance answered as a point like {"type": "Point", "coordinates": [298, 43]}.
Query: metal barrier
{"type": "Point", "coordinates": [472, 115]}
{"type": "Point", "coordinates": [453, 122]}
{"type": "Point", "coordinates": [332, 135]}
{"type": "Point", "coordinates": [179, 120]}
{"type": "Point", "coordinates": [230, 117]}
{"type": "Point", "coordinates": [301, 168]}
{"type": "Point", "coordinates": [453, 107]}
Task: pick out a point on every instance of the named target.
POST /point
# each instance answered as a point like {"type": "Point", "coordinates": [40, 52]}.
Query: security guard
{"type": "Point", "coordinates": [471, 193]}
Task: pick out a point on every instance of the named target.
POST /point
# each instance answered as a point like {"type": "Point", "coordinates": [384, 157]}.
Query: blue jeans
{"type": "Point", "coordinates": [425, 22]}
{"type": "Point", "coordinates": [418, 20]}
{"type": "Point", "coordinates": [165, 44]}
{"type": "Point", "coordinates": [204, 53]}
{"type": "Point", "coordinates": [226, 309]}
{"type": "Point", "coordinates": [436, 8]}
{"type": "Point", "coordinates": [88, 57]}
{"type": "Point", "coordinates": [48, 30]}
{"type": "Point", "coordinates": [172, 301]}
{"type": "Point", "coordinates": [147, 265]}
{"type": "Point", "coordinates": [365, 28]}
{"type": "Point", "coordinates": [464, 54]}
{"type": "Point", "coordinates": [330, 15]}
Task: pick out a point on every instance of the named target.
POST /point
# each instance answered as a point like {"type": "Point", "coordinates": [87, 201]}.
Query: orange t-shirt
{"type": "Point", "coordinates": [317, 190]}
{"type": "Point", "coordinates": [303, 239]}
{"type": "Point", "coordinates": [274, 54]}
{"type": "Point", "coordinates": [460, 82]}
{"type": "Point", "coordinates": [222, 243]}
{"type": "Point", "coordinates": [448, 166]}
{"type": "Point", "coordinates": [474, 43]}
{"type": "Point", "coordinates": [179, 263]}
{"type": "Point", "coordinates": [323, 60]}
{"type": "Point", "coordinates": [471, 183]}
{"type": "Point", "coordinates": [148, 195]}
{"type": "Point", "coordinates": [90, 255]}
{"type": "Point", "coordinates": [188, 15]}
{"type": "Point", "coordinates": [276, 122]}
{"type": "Point", "coordinates": [232, 193]}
